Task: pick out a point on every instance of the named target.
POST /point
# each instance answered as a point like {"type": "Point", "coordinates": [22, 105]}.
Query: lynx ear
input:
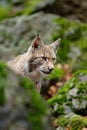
{"type": "Point", "coordinates": [37, 43]}
{"type": "Point", "coordinates": [56, 44]}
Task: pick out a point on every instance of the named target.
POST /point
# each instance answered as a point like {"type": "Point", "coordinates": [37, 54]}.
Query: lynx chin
{"type": "Point", "coordinates": [37, 62]}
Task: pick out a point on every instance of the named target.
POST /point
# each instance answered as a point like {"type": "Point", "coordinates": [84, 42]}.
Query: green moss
{"type": "Point", "coordinates": [59, 110]}
{"type": "Point", "coordinates": [63, 121]}
{"type": "Point", "coordinates": [76, 122]}
{"type": "Point", "coordinates": [73, 90]}
{"type": "Point", "coordinates": [80, 73]}
{"type": "Point", "coordinates": [60, 97]}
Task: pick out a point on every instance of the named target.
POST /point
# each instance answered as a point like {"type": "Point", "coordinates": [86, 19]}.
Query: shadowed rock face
{"type": "Point", "coordinates": [73, 9]}
{"type": "Point", "coordinates": [21, 107]}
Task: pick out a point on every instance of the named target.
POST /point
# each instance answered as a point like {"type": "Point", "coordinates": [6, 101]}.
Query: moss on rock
{"type": "Point", "coordinates": [72, 96]}
{"type": "Point", "coordinates": [75, 122]}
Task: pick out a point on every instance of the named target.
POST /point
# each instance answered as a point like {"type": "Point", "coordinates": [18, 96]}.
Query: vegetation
{"type": "Point", "coordinates": [9, 10]}
{"type": "Point", "coordinates": [24, 96]}
{"type": "Point", "coordinates": [73, 48]}
{"type": "Point", "coordinates": [3, 76]}
{"type": "Point", "coordinates": [65, 88]}
{"type": "Point", "coordinates": [73, 122]}
{"type": "Point", "coordinates": [72, 95]}
{"type": "Point", "coordinates": [4, 12]}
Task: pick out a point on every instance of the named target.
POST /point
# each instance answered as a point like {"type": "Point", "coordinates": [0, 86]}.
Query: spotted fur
{"type": "Point", "coordinates": [38, 61]}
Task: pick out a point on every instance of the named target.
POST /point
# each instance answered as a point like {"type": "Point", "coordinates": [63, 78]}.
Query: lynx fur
{"type": "Point", "coordinates": [37, 62]}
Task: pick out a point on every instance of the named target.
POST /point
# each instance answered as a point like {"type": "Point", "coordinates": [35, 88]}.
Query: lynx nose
{"type": "Point", "coordinates": [51, 69]}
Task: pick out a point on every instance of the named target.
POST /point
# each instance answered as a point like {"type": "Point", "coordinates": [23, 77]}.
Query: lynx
{"type": "Point", "coordinates": [37, 62]}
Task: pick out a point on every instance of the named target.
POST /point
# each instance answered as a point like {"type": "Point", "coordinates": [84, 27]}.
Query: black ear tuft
{"type": "Point", "coordinates": [37, 42]}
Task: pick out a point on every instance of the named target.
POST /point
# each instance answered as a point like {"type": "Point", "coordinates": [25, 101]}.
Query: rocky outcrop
{"type": "Point", "coordinates": [72, 97]}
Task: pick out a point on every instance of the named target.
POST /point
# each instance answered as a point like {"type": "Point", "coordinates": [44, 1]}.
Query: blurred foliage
{"type": "Point", "coordinates": [9, 10]}
{"type": "Point", "coordinates": [56, 74]}
{"type": "Point", "coordinates": [73, 35]}
{"type": "Point", "coordinates": [3, 76]}
{"type": "Point", "coordinates": [30, 6]}
{"type": "Point", "coordinates": [75, 122]}
{"type": "Point", "coordinates": [24, 96]}
{"type": "Point", "coordinates": [4, 11]}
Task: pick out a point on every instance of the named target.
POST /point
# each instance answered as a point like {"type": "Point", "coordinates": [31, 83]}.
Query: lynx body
{"type": "Point", "coordinates": [38, 61]}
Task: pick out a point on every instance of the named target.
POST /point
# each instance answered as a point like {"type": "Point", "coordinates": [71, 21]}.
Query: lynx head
{"type": "Point", "coordinates": [42, 57]}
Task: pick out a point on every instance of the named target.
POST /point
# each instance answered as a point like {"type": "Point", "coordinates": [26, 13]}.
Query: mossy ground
{"type": "Point", "coordinates": [73, 122]}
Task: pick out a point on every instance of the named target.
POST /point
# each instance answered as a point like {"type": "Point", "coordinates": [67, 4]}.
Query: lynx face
{"type": "Point", "coordinates": [37, 61]}
{"type": "Point", "coordinates": [42, 57]}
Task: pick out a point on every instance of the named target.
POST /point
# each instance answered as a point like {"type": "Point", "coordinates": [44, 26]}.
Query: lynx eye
{"type": "Point", "coordinates": [54, 59]}
{"type": "Point", "coordinates": [45, 58]}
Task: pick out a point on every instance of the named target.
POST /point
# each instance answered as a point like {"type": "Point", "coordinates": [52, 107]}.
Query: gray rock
{"type": "Point", "coordinates": [72, 93]}
{"type": "Point", "coordinates": [67, 109]}
{"type": "Point", "coordinates": [21, 106]}
{"type": "Point", "coordinates": [83, 78]}
{"type": "Point", "coordinates": [17, 33]}
{"type": "Point", "coordinates": [83, 104]}
{"type": "Point", "coordinates": [75, 103]}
